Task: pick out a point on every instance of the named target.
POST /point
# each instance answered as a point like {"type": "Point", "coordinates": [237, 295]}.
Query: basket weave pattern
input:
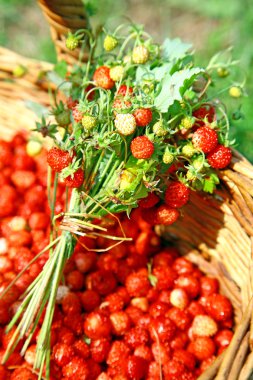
{"type": "Point", "coordinates": [216, 232]}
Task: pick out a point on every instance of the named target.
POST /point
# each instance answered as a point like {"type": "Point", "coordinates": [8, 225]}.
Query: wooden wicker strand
{"type": "Point", "coordinates": [64, 16]}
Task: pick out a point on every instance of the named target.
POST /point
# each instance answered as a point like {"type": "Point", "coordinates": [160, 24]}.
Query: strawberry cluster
{"type": "Point", "coordinates": [132, 312]}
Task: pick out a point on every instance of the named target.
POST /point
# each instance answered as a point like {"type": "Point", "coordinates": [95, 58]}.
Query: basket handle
{"type": "Point", "coordinates": [64, 16]}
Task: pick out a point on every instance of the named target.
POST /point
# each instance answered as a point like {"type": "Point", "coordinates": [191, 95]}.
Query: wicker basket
{"type": "Point", "coordinates": [216, 232]}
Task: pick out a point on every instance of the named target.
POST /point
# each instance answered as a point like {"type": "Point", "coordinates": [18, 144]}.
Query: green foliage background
{"type": "Point", "coordinates": [211, 26]}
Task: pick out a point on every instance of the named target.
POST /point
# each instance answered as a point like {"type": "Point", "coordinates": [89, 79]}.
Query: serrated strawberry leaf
{"type": "Point", "coordinates": [174, 86]}
{"type": "Point", "coordinates": [174, 49]}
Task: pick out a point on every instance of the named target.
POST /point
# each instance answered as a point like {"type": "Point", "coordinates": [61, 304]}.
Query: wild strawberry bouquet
{"type": "Point", "coordinates": [138, 128]}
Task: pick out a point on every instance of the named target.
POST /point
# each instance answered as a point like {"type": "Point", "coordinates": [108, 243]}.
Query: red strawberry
{"type": "Point", "coordinates": [143, 116]}
{"type": "Point", "coordinates": [77, 369]}
{"type": "Point", "coordinates": [166, 215]}
{"type": "Point", "coordinates": [137, 283]}
{"type": "Point", "coordinates": [205, 139]}
{"type": "Point", "coordinates": [177, 194]}
{"type": "Point", "coordinates": [151, 200]}
{"type": "Point", "coordinates": [99, 349]}
{"type": "Point", "coordinates": [181, 318]}
{"type": "Point", "coordinates": [223, 338]}
{"type": "Point", "coordinates": [208, 286]}
{"type": "Point", "coordinates": [125, 90]}
{"type": "Point", "coordinates": [189, 283]}
{"type": "Point", "coordinates": [121, 322]}
{"type": "Point", "coordinates": [77, 115]}
{"type": "Point", "coordinates": [22, 374]}
{"type": "Point", "coordinates": [91, 93]}
{"type": "Point", "coordinates": [102, 78]}
{"type": "Point", "coordinates": [219, 157]}
{"type": "Point", "coordinates": [58, 159]}
{"type": "Point", "coordinates": [119, 351]}
{"type": "Point", "coordinates": [121, 104]}
{"type": "Point", "coordinates": [204, 112]}
{"type": "Point", "coordinates": [75, 180]}
{"type": "Point", "coordinates": [97, 325]}
{"type": "Point", "coordinates": [144, 352]}
{"type": "Point", "coordinates": [202, 347]}
{"type": "Point", "coordinates": [136, 367]}
{"type": "Point", "coordinates": [186, 358]}
{"type": "Point", "coordinates": [62, 354]}
{"type": "Point", "coordinates": [219, 307]}
{"type": "Point", "coordinates": [71, 103]}
{"type": "Point", "coordinates": [142, 147]}
{"type": "Point", "coordinates": [162, 328]}
{"type": "Point", "coordinates": [173, 369]}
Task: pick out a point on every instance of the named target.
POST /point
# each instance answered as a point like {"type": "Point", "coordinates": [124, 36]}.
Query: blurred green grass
{"type": "Point", "coordinates": [211, 26]}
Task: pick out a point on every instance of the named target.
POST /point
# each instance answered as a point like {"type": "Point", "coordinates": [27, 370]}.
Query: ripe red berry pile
{"type": "Point", "coordinates": [132, 312]}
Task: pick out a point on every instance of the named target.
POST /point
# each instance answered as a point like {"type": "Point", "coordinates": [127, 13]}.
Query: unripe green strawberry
{"type": "Point", "coordinates": [116, 73]}
{"type": "Point", "coordinates": [191, 175]}
{"type": "Point", "coordinates": [63, 118]}
{"type": "Point", "coordinates": [140, 54]}
{"type": "Point", "coordinates": [158, 129]}
{"type": "Point", "coordinates": [110, 43]}
{"type": "Point", "coordinates": [188, 150]}
{"type": "Point", "coordinates": [89, 122]}
{"type": "Point", "coordinates": [235, 92]}
{"type": "Point", "coordinates": [187, 122]}
{"type": "Point", "coordinates": [222, 72]}
{"type": "Point", "coordinates": [125, 123]}
{"type": "Point", "coordinates": [126, 178]}
{"type": "Point", "coordinates": [168, 157]}
{"type": "Point", "coordinates": [19, 71]}
{"type": "Point", "coordinates": [198, 163]}
{"type": "Point", "coordinates": [72, 42]}
{"type": "Point", "coordinates": [33, 148]}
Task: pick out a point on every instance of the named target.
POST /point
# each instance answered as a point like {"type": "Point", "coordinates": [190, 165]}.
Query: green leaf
{"type": "Point", "coordinates": [210, 183]}
{"type": "Point", "coordinates": [61, 68]}
{"type": "Point", "coordinates": [174, 49]}
{"type": "Point", "coordinates": [173, 87]}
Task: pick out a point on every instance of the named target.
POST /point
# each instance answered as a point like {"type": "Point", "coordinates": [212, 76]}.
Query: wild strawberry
{"type": "Point", "coordinates": [168, 157]}
{"type": "Point", "coordinates": [77, 369]}
{"type": "Point", "coordinates": [121, 104]}
{"type": "Point", "coordinates": [181, 318]}
{"type": "Point", "coordinates": [179, 341]}
{"type": "Point", "coordinates": [62, 354]}
{"type": "Point", "coordinates": [177, 194]}
{"type": "Point", "coordinates": [165, 276]}
{"type": "Point", "coordinates": [140, 54]}
{"type": "Point", "coordinates": [23, 179]}
{"type": "Point", "coordinates": [219, 157]}
{"type": "Point", "coordinates": [58, 159]}
{"type": "Point", "coordinates": [4, 374]}
{"type": "Point", "coordinates": [97, 325]}
{"type": "Point", "coordinates": [114, 302]}
{"type": "Point", "coordinates": [205, 139]}
{"type": "Point", "coordinates": [159, 129]}
{"type": "Point", "coordinates": [166, 215]}
{"type": "Point", "coordinates": [117, 73]}
{"type": "Point", "coordinates": [99, 349]}
{"type": "Point", "coordinates": [182, 266]}
{"type": "Point", "coordinates": [89, 122]}
{"type": "Point", "coordinates": [162, 328]}
{"type": "Point", "coordinates": [205, 112]}
{"type": "Point", "coordinates": [144, 351]}
{"type": "Point", "coordinates": [135, 337]}
{"type": "Point", "coordinates": [223, 338]}
{"type": "Point", "coordinates": [142, 147]}
{"type": "Point", "coordinates": [81, 349]}
{"type": "Point", "coordinates": [125, 123]}
{"type": "Point", "coordinates": [206, 363]}
{"type": "Point", "coordinates": [137, 283]}
{"type": "Point", "coordinates": [186, 358]}
{"type": "Point", "coordinates": [110, 42]}
{"type": "Point", "coordinates": [235, 92]}
{"type": "Point", "coordinates": [179, 298]}
{"type": "Point", "coordinates": [173, 369]}
{"type": "Point", "coordinates": [151, 200]}
{"type": "Point", "coordinates": [158, 309]}
{"type": "Point", "coordinates": [147, 243]}
{"type": "Point", "coordinates": [195, 309]}
{"type": "Point", "coordinates": [203, 325]}
{"type": "Point", "coordinates": [202, 347]}
{"type": "Point", "coordinates": [119, 351]}
{"type": "Point", "coordinates": [136, 367]}
{"type": "Point", "coordinates": [208, 286]}
{"type": "Point", "coordinates": [219, 307]}
{"type": "Point", "coordinates": [187, 122]}
{"type": "Point", "coordinates": [63, 117]}
{"type": "Point", "coordinates": [120, 322]}
{"type": "Point", "coordinates": [103, 282]}
{"type": "Point", "coordinates": [75, 280]}
{"type": "Point", "coordinates": [75, 180]}
{"type": "Point", "coordinates": [85, 262]}
{"type": "Point", "coordinates": [161, 352]}
{"type": "Point", "coordinates": [33, 148]}
{"type": "Point", "coordinates": [188, 150]}
{"type": "Point", "coordinates": [143, 116]}
{"type": "Point", "coordinates": [71, 304]}
{"type": "Point", "coordinates": [165, 257]}
{"type": "Point", "coordinates": [124, 90]}
{"type": "Point", "coordinates": [39, 221]}
{"type": "Point", "coordinates": [140, 302]}
{"type": "Point", "coordinates": [17, 223]}
{"type": "Point", "coordinates": [72, 41]}
{"type": "Point", "coordinates": [189, 283]}
{"type": "Point", "coordinates": [22, 374]}
{"type": "Point", "coordinates": [102, 78]}
{"type": "Point", "coordinates": [77, 114]}
{"type": "Point", "coordinates": [6, 154]}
